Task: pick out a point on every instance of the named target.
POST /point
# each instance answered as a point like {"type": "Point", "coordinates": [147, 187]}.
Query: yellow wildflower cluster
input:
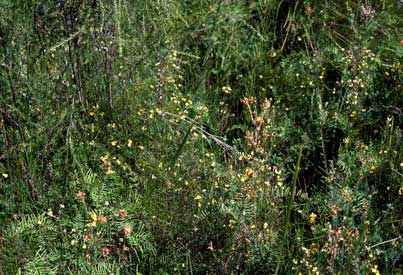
{"type": "Point", "coordinates": [152, 113]}
{"type": "Point", "coordinates": [306, 263]}
{"type": "Point", "coordinates": [357, 85]}
{"type": "Point", "coordinates": [375, 270]}
{"type": "Point", "coordinates": [248, 173]}
{"type": "Point", "coordinates": [312, 218]}
{"type": "Point", "coordinates": [231, 223]}
{"type": "Point", "coordinates": [198, 198]}
{"type": "Point", "coordinates": [94, 219]}
{"type": "Point", "coordinates": [226, 89]}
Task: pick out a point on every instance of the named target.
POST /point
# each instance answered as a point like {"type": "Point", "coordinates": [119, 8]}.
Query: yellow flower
{"type": "Point", "coordinates": [307, 252]}
{"type": "Point", "coordinates": [129, 143]}
{"type": "Point", "coordinates": [375, 270]}
{"type": "Point", "coordinates": [265, 225]}
{"type": "Point", "coordinates": [109, 171]}
{"type": "Point", "coordinates": [114, 142]}
{"type": "Point", "coordinates": [372, 169]}
{"type": "Point", "coordinates": [226, 89]}
{"type": "Point", "coordinates": [93, 216]}
{"type": "Point", "coordinates": [104, 158]}
{"type": "Point", "coordinates": [94, 219]}
{"type": "Point", "coordinates": [312, 218]}
{"type": "Point", "coordinates": [249, 172]}
{"type": "Point", "coordinates": [231, 223]}
{"type": "Point", "coordinates": [5, 175]}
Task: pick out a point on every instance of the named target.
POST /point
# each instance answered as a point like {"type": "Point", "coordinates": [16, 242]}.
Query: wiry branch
{"type": "Point", "coordinates": [385, 242]}
{"type": "Point", "coordinates": [205, 134]}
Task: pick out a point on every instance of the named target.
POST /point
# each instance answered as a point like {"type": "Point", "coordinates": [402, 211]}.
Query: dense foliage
{"type": "Point", "coordinates": [201, 137]}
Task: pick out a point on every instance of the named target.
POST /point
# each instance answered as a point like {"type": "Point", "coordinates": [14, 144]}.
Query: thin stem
{"type": "Point", "coordinates": [288, 211]}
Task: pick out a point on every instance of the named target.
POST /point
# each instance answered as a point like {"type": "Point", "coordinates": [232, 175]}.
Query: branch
{"type": "Point", "coordinates": [388, 241]}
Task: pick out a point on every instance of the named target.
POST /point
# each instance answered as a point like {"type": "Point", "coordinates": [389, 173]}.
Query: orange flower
{"type": "Point", "coordinates": [81, 196]}
{"type": "Point", "coordinates": [102, 219]}
{"type": "Point", "coordinates": [87, 237]}
{"type": "Point", "coordinates": [106, 164]}
{"type": "Point", "coordinates": [123, 212]}
{"type": "Point", "coordinates": [126, 230]}
{"type": "Point", "coordinates": [266, 104]}
{"type": "Point", "coordinates": [105, 251]}
{"type": "Point", "coordinates": [259, 121]}
{"type": "Point", "coordinates": [308, 10]}
{"type": "Point", "coordinates": [245, 101]}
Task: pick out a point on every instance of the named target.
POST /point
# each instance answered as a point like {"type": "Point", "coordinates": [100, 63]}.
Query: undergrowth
{"type": "Point", "coordinates": [201, 137]}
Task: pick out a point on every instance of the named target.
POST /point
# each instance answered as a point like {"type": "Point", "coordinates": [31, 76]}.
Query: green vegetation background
{"type": "Point", "coordinates": [201, 137]}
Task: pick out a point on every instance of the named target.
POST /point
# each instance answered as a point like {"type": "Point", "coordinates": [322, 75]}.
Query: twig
{"type": "Point", "coordinates": [206, 135]}
{"type": "Point", "coordinates": [388, 241]}
{"type": "Point", "coordinates": [52, 49]}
